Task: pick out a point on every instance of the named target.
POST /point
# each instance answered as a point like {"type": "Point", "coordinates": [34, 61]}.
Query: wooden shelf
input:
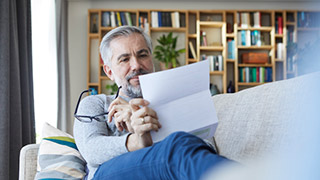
{"type": "Point", "coordinates": [192, 60]}
{"type": "Point", "coordinates": [216, 73]}
{"type": "Point", "coordinates": [93, 35]}
{"type": "Point", "coordinates": [192, 35]}
{"type": "Point", "coordinates": [291, 23]}
{"type": "Point", "coordinates": [231, 60]}
{"type": "Point", "coordinates": [211, 48]}
{"type": "Point", "coordinates": [93, 84]}
{"type": "Point", "coordinates": [231, 35]}
{"type": "Point", "coordinates": [256, 47]}
{"type": "Point", "coordinates": [250, 83]}
{"type": "Point", "coordinates": [255, 65]}
{"type": "Point", "coordinates": [278, 35]}
{"type": "Point", "coordinates": [212, 24]}
{"type": "Point", "coordinates": [104, 78]}
{"type": "Point", "coordinates": [167, 29]}
{"type": "Point", "coordinates": [256, 28]}
{"type": "Point", "coordinates": [107, 28]}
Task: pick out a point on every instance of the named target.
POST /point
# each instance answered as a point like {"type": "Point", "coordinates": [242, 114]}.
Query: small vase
{"type": "Point", "coordinates": [163, 66]}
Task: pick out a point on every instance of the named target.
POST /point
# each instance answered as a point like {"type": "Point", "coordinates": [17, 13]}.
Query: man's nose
{"type": "Point", "coordinates": [135, 63]}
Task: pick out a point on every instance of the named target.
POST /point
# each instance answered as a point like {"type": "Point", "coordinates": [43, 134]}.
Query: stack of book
{"type": "Point", "coordinates": [255, 74]}
{"type": "Point", "coordinates": [243, 19]}
{"type": "Point", "coordinates": [165, 19]}
{"type": "Point", "coordinates": [215, 62]}
{"type": "Point", "coordinates": [249, 38]}
{"type": "Point", "coordinates": [114, 19]}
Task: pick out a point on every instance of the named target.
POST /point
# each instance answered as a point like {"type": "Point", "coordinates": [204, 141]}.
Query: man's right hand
{"type": "Point", "coordinates": [143, 120]}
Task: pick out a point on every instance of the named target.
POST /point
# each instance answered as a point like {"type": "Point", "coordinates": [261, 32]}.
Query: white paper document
{"type": "Point", "coordinates": [182, 100]}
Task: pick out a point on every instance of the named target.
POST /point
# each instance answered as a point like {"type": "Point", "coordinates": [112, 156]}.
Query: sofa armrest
{"type": "Point", "coordinates": [28, 162]}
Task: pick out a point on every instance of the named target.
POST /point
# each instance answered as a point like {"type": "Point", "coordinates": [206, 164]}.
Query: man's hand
{"type": "Point", "coordinates": [143, 120]}
{"type": "Point", "coordinates": [121, 111]}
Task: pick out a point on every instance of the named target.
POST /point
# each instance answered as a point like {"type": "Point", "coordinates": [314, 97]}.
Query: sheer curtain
{"type": "Point", "coordinates": [64, 121]}
{"type": "Point", "coordinates": [16, 85]}
{"type": "Point", "coordinates": [44, 63]}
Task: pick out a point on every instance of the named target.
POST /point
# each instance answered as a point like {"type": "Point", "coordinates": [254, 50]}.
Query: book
{"type": "Point", "coordinates": [113, 19]}
{"type": "Point", "coordinates": [279, 51]}
{"type": "Point", "coordinates": [257, 19]}
{"type": "Point", "coordinates": [216, 63]}
{"type": "Point", "coordinates": [211, 62]}
{"type": "Point", "coordinates": [123, 19]}
{"type": "Point", "coordinates": [280, 25]}
{"type": "Point", "coordinates": [247, 73]}
{"type": "Point", "coordinates": [106, 19]}
{"type": "Point", "coordinates": [118, 19]}
{"type": "Point", "coordinates": [192, 50]}
{"type": "Point", "coordinates": [173, 20]}
{"type": "Point", "coordinates": [220, 63]}
{"type": "Point", "coordinates": [154, 20]}
{"type": "Point", "coordinates": [248, 38]}
{"type": "Point", "coordinates": [245, 19]}
{"type": "Point", "coordinates": [238, 19]}
{"type": "Point", "coordinates": [128, 18]}
{"type": "Point", "coordinates": [177, 19]}
{"type": "Point", "coordinates": [160, 19]}
{"type": "Point", "coordinates": [231, 49]}
{"type": "Point", "coordinates": [243, 37]}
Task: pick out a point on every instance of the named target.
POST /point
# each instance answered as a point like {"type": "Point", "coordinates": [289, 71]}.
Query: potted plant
{"type": "Point", "coordinates": [112, 88]}
{"type": "Point", "coordinates": [166, 51]}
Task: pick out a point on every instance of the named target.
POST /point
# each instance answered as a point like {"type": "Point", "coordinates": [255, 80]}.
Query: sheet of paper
{"type": "Point", "coordinates": [182, 100]}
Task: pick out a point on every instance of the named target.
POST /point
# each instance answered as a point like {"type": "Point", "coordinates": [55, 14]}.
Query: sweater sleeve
{"type": "Point", "coordinates": [96, 141]}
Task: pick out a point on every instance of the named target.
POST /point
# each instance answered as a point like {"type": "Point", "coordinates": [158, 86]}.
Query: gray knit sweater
{"type": "Point", "coordinates": [98, 142]}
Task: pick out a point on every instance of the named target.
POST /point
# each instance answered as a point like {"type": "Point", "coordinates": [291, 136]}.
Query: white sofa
{"type": "Point", "coordinates": [252, 123]}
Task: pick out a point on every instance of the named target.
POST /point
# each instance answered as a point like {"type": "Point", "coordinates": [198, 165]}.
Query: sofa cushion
{"type": "Point", "coordinates": [263, 120]}
{"type": "Point", "coordinates": [58, 156]}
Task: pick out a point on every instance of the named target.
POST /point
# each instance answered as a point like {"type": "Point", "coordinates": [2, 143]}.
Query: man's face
{"type": "Point", "coordinates": [130, 58]}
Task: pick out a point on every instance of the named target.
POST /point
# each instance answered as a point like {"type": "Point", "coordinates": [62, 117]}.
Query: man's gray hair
{"type": "Point", "coordinates": [105, 49]}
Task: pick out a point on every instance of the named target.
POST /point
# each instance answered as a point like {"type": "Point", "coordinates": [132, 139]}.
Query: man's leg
{"type": "Point", "coordinates": [179, 156]}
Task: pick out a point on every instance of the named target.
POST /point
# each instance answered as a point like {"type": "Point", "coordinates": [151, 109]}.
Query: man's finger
{"type": "Point", "coordinates": [117, 101]}
{"type": "Point", "coordinates": [137, 102]}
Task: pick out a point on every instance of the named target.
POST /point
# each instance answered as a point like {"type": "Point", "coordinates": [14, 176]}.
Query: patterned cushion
{"type": "Point", "coordinates": [58, 156]}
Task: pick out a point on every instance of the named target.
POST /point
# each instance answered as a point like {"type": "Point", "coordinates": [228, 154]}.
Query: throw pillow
{"type": "Point", "coordinates": [58, 156]}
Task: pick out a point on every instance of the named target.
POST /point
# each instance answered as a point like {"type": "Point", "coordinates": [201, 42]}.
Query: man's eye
{"type": "Point", "coordinates": [143, 55]}
{"type": "Point", "coordinates": [124, 60]}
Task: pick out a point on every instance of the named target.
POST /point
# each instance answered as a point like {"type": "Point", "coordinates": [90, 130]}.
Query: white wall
{"type": "Point", "coordinates": [77, 29]}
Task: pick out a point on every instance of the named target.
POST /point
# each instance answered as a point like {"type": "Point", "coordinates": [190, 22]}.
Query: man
{"type": "Point", "coordinates": [121, 147]}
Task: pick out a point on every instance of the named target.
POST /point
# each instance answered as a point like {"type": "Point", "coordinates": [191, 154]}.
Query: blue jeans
{"type": "Point", "coordinates": [179, 156]}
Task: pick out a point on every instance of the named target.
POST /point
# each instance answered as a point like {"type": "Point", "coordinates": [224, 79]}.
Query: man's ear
{"type": "Point", "coordinates": [108, 71]}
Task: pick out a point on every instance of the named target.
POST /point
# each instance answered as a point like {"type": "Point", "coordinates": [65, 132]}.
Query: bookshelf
{"type": "Point", "coordinates": [224, 37]}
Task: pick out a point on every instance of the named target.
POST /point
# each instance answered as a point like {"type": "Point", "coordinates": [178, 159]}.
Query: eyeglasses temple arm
{"type": "Point", "coordinates": [79, 100]}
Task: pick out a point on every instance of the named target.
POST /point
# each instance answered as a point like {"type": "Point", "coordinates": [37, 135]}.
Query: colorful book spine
{"type": "Point", "coordinates": [123, 19]}
{"type": "Point", "coordinates": [113, 19]}
{"type": "Point", "coordinates": [119, 19]}
{"type": "Point", "coordinates": [280, 25]}
{"type": "Point", "coordinates": [160, 19]}
{"type": "Point", "coordinates": [128, 18]}
{"type": "Point", "coordinates": [220, 63]}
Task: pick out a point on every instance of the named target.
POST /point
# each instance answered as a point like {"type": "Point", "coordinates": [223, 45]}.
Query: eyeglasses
{"type": "Point", "coordinates": [88, 119]}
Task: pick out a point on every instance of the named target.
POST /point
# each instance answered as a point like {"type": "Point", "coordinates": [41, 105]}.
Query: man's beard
{"type": "Point", "coordinates": [130, 90]}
